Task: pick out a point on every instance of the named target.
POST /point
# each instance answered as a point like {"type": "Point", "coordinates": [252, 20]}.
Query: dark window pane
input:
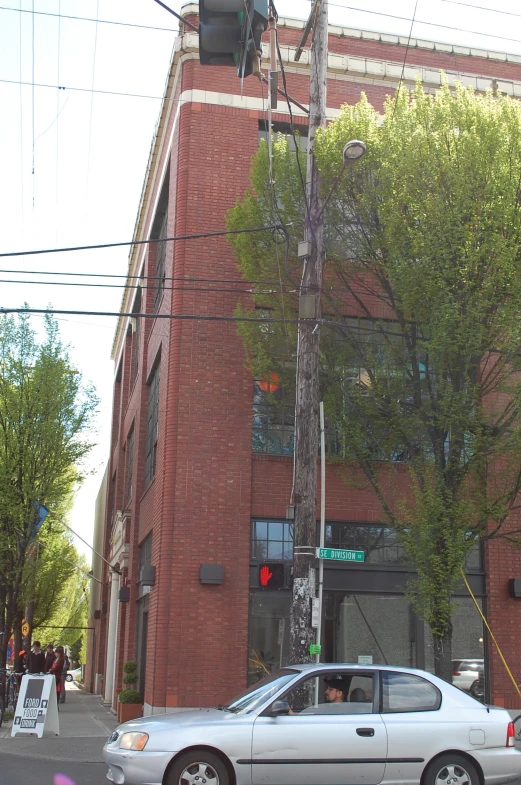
{"type": "Point", "coordinates": [288, 550]}
{"type": "Point", "coordinates": [261, 530]}
{"type": "Point", "coordinates": [403, 692]}
{"type": "Point", "coordinates": [275, 550]}
{"type": "Point", "coordinates": [275, 531]}
{"type": "Point", "coordinates": [152, 426]}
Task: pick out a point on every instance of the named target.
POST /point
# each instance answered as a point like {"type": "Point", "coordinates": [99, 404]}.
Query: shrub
{"type": "Point", "coordinates": [129, 696]}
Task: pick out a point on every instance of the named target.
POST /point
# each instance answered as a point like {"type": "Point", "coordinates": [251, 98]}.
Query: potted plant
{"type": "Point", "coordinates": [130, 704]}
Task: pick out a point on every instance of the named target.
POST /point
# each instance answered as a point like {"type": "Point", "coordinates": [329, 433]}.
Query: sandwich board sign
{"type": "Point", "coordinates": [36, 708]}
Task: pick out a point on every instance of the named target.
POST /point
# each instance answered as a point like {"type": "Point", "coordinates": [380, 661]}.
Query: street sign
{"type": "Point", "coordinates": [336, 554]}
{"type": "Point", "coordinates": [25, 629]}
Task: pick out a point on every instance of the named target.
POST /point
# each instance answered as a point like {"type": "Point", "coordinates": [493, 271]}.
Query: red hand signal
{"type": "Point", "coordinates": [265, 575]}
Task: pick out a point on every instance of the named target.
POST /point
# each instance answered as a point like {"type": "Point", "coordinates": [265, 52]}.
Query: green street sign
{"type": "Point", "coordinates": [315, 648]}
{"type": "Point", "coordinates": [336, 554]}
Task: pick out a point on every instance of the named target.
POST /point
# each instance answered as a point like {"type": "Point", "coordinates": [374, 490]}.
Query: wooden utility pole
{"type": "Point", "coordinates": [302, 635]}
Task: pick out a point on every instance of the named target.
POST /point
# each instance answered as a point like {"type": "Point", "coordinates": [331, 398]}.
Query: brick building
{"type": "Point", "coordinates": [195, 496]}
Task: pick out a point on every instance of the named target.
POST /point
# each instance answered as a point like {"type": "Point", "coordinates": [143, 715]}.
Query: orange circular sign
{"type": "Point", "coordinates": [270, 383]}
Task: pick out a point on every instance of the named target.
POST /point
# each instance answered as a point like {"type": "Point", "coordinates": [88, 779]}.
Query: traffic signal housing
{"type": "Point", "coordinates": [230, 33]}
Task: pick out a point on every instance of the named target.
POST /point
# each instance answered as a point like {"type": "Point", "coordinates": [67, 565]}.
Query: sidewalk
{"type": "Point", "coordinates": [82, 718]}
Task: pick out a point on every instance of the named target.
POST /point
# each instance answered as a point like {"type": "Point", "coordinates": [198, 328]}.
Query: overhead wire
{"type": "Point", "coordinates": [90, 90]}
{"type": "Point", "coordinates": [91, 109]}
{"type": "Point", "coordinates": [22, 172]}
{"type": "Point", "coordinates": [58, 111]}
{"type": "Point", "coordinates": [423, 22]}
{"type": "Point", "coordinates": [481, 8]}
{"type": "Point", "coordinates": [404, 61]}
{"type": "Point", "coordinates": [197, 236]}
{"type": "Point", "coordinates": [89, 19]}
{"type": "Point", "coordinates": [32, 96]}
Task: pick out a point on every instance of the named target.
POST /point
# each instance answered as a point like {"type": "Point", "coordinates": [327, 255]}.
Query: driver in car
{"type": "Point", "coordinates": [336, 690]}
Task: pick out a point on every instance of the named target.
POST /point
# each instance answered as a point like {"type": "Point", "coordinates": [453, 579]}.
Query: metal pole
{"type": "Point", "coordinates": [322, 534]}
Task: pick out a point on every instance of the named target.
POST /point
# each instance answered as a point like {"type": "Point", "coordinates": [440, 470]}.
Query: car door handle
{"type": "Point", "coordinates": [365, 731]}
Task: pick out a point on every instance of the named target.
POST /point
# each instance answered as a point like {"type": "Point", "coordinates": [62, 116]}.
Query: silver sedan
{"type": "Point", "coordinates": [324, 725]}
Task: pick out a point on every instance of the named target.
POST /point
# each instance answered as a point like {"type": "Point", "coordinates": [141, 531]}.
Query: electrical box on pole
{"type": "Point", "coordinates": [230, 33]}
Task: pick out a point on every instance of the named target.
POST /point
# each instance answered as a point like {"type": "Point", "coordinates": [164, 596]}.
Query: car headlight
{"type": "Point", "coordinates": [133, 741]}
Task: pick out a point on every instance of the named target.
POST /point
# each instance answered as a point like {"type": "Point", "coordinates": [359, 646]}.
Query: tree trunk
{"type": "Point", "coordinates": [17, 637]}
{"type": "Point", "coordinates": [442, 650]}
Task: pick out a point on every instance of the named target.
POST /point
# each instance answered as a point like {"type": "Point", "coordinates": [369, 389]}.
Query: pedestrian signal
{"type": "Point", "coordinates": [271, 576]}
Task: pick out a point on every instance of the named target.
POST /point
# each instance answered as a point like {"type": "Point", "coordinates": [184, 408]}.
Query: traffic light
{"type": "Point", "coordinates": [271, 576]}
{"type": "Point", "coordinates": [230, 32]}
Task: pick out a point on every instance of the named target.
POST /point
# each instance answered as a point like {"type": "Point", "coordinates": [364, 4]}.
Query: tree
{"type": "Point", "coordinates": [45, 412]}
{"type": "Point", "coordinates": [420, 356]}
{"type": "Point", "coordinates": [60, 621]}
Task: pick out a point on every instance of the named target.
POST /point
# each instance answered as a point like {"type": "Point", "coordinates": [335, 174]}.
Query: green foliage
{"type": "Point", "coordinates": [45, 411]}
{"type": "Point", "coordinates": [68, 587]}
{"type": "Point", "coordinates": [129, 696]}
{"type": "Point", "coordinates": [421, 299]}
{"type": "Point", "coordinates": [130, 671]}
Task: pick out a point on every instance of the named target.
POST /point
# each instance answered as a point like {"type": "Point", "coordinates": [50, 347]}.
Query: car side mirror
{"type": "Point", "coordinates": [279, 708]}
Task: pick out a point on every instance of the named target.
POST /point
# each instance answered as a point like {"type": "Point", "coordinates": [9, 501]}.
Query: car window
{"type": "Point", "coordinates": [469, 666]}
{"type": "Point", "coordinates": [406, 692]}
{"type": "Point", "coordinates": [351, 693]}
{"type": "Point", "coordinates": [261, 691]}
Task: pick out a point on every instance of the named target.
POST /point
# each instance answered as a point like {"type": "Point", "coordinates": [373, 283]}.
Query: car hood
{"type": "Point", "coordinates": [176, 718]}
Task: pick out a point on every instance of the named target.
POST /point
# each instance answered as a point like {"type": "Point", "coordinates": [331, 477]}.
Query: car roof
{"type": "Point", "coordinates": [334, 666]}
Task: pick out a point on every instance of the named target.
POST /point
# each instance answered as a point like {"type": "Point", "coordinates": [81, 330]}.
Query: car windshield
{"type": "Point", "coordinates": [261, 691]}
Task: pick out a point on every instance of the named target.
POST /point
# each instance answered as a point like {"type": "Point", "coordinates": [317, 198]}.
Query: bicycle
{"type": "Point", "coordinates": [11, 691]}
{"type": "Point", "coordinates": [3, 674]}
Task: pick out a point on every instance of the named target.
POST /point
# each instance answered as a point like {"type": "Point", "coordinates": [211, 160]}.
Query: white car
{"type": "Point", "coordinates": [381, 725]}
{"type": "Point", "coordinates": [74, 675]}
{"type": "Point", "coordinates": [466, 672]}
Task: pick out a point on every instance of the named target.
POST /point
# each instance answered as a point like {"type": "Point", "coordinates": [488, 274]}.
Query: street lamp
{"type": "Point", "coordinates": [353, 151]}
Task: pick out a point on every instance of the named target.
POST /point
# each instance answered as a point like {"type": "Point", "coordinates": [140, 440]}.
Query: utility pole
{"type": "Point", "coordinates": [302, 634]}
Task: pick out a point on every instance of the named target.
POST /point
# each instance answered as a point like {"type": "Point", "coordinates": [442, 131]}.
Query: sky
{"type": "Point", "coordinates": [74, 149]}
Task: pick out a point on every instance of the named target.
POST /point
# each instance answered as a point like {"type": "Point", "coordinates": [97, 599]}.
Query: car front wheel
{"type": "Point", "coordinates": [68, 677]}
{"type": "Point", "coordinates": [451, 769]}
{"type": "Point", "coordinates": [198, 767]}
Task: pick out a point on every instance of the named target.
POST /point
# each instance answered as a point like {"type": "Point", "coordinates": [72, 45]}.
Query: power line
{"type": "Point", "coordinates": [199, 236]}
{"type": "Point", "coordinates": [89, 19]}
{"type": "Point", "coordinates": [87, 90]}
{"type": "Point", "coordinates": [404, 61]}
{"type": "Point", "coordinates": [481, 7]}
{"type": "Point", "coordinates": [182, 288]}
{"type": "Point", "coordinates": [183, 278]}
{"type": "Point", "coordinates": [422, 22]}
{"type": "Point", "coordinates": [173, 316]}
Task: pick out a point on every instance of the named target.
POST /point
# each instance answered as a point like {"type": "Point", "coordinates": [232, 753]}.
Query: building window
{"type": "Point", "coordinates": [135, 322]}
{"type": "Point", "coordinates": [152, 426]}
{"type": "Point", "coordinates": [159, 232]}
{"type": "Point", "coordinates": [130, 462]}
{"type": "Point", "coordinates": [273, 420]}
{"type": "Point", "coordinates": [272, 541]}
{"type": "Point", "coordinates": [284, 129]}
{"type": "Point", "coordinates": [159, 276]}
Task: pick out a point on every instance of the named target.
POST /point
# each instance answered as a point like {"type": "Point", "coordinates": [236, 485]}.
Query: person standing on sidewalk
{"type": "Point", "coordinates": [66, 666]}
{"type": "Point", "coordinates": [57, 670]}
{"type": "Point", "coordinates": [49, 658]}
{"type": "Point", "coordinates": [36, 659]}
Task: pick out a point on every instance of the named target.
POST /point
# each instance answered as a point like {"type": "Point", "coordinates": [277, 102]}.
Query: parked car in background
{"type": "Point", "coordinates": [74, 675]}
{"type": "Point", "coordinates": [466, 672]}
{"type": "Point", "coordinates": [391, 725]}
